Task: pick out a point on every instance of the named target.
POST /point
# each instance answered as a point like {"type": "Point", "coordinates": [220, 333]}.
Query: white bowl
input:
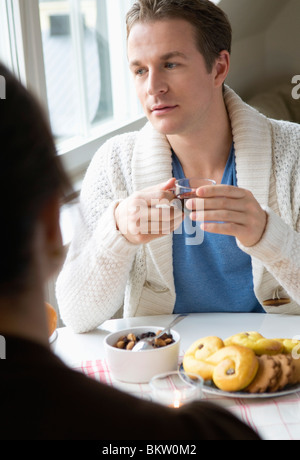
{"type": "Point", "coordinates": [141, 366]}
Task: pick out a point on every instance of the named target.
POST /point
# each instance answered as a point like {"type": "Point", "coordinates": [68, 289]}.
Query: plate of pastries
{"type": "Point", "coordinates": [245, 365]}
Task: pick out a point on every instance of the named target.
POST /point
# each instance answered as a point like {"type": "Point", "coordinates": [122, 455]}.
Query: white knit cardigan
{"type": "Point", "coordinates": [105, 274]}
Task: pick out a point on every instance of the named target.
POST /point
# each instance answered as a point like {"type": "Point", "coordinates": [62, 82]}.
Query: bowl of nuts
{"type": "Point", "coordinates": [139, 367]}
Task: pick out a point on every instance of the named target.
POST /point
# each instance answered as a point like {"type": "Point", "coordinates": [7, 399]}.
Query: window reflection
{"type": "Point", "coordinates": [77, 64]}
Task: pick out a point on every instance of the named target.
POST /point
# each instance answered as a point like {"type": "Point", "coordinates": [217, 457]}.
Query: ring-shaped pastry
{"type": "Point", "coordinates": [290, 345]}
{"type": "Point", "coordinates": [195, 359]}
{"type": "Point", "coordinates": [235, 367]}
{"type": "Point", "coordinates": [256, 342]}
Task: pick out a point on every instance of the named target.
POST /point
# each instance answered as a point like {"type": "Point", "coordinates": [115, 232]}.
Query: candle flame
{"type": "Point", "coordinates": [177, 399]}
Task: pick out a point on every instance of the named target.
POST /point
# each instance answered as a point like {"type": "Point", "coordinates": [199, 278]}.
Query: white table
{"type": "Point", "coordinates": [276, 418]}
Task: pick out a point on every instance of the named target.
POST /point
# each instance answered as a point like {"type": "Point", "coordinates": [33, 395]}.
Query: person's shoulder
{"type": "Point", "coordinates": [120, 148]}
{"type": "Point", "coordinates": [286, 138]}
{"type": "Point", "coordinates": [114, 152]}
{"type": "Point", "coordinates": [285, 129]}
{"type": "Point", "coordinates": [121, 142]}
{"type": "Point", "coordinates": [286, 146]}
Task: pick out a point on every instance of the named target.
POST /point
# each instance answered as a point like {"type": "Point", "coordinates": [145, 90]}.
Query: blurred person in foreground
{"type": "Point", "coordinates": [249, 260]}
{"type": "Point", "coordinates": [41, 398]}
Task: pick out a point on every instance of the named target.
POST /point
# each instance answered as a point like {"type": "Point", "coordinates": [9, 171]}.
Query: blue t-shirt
{"type": "Point", "coordinates": [211, 273]}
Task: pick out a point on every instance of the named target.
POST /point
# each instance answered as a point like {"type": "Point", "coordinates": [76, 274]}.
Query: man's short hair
{"type": "Point", "coordinates": [213, 31]}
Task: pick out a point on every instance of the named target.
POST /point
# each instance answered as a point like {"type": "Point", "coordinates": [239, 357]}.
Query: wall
{"type": "Point", "coordinates": [266, 43]}
{"type": "Point", "coordinates": [283, 43]}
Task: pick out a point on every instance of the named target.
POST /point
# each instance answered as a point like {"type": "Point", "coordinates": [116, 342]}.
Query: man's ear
{"type": "Point", "coordinates": [221, 68]}
{"type": "Point", "coordinates": [51, 219]}
{"type": "Point", "coordinates": [53, 243]}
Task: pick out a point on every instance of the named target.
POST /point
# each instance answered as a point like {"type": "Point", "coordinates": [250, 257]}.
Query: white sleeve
{"type": "Point", "coordinates": [279, 251]}
{"type": "Point", "coordinates": [90, 288]}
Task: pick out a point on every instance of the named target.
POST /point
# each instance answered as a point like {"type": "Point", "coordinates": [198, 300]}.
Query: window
{"type": "Point", "coordinates": [72, 53]}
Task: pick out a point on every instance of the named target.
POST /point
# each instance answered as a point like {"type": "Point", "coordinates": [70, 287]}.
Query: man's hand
{"type": "Point", "coordinates": [147, 214]}
{"type": "Point", "coordinates": [231, 211]}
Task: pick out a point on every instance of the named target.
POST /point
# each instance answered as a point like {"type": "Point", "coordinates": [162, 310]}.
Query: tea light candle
{"type": "Point", "coordinates": [177, 399]}
{"type": "Point", "coordinates": [174, 389]}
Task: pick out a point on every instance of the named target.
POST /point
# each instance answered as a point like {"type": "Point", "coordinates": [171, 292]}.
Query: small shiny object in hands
{"type": "Point", "coordinates": [185, 189]}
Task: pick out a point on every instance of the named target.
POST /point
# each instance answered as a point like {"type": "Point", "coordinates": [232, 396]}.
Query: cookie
{"type": "Point", "coordinates": [295, 377]}
{"type": "Point", "coordinates": [269, 373]}
{"type": "Point", "coordinates": [285, 362]}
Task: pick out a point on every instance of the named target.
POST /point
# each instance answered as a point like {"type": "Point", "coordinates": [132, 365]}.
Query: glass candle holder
{"type": "Point", "coordinates": [175, 389]}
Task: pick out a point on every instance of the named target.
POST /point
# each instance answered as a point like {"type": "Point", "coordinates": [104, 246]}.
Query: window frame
{"type": "Point", "coordinates": [21, 30]}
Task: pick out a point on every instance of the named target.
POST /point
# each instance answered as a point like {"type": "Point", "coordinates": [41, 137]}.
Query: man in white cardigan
{"type": "Point", "coordinates": [179, 55]}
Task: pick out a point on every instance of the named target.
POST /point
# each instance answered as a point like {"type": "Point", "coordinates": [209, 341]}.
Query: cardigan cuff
{"type": "Point", "coordinates": [273, 245]}
{"type": "Point", "coordinates": [107, 235]}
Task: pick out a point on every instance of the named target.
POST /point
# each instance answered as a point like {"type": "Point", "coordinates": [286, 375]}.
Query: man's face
{"type": "Point", "coordinates": [170, 75]}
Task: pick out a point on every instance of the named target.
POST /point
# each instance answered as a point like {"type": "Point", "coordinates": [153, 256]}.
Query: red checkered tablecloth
{"type": "Point", "coordinates": [273, 418]}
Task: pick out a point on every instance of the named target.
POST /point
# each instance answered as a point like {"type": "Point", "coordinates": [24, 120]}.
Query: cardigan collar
{"type": "Point", "coordinates": [253, 146]}
{"type": "Point", "coordinates": [152, 163]}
